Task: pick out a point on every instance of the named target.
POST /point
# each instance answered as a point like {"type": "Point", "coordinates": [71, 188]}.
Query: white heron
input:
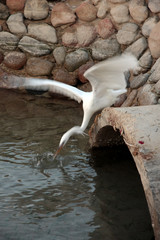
{"type": "Point", "coordinates": [107, 80]}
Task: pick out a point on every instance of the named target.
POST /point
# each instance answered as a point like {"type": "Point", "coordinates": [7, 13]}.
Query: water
{"type": "Point", "coordinates": [94, 196]}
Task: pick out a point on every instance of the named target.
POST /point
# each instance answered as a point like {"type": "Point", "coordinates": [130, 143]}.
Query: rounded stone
{"type": "Point", "coordinates": [42, 31]}
{"type": "Point", "coordinates": [8, 41]}
{"type": "Point", "coordinates": [59, 54]}
{"type": "Point", "coordinates": [121, 99]}
{"type": "Point", "coordinates": [154, 6]}
{"type": "Point", "coordinates": [105, 48]}
{"type": "Point", "coordinates": [146, 60]}
{"type": "Point", "coordinates": [127, 34]}
{"type": "Point", "coordinates": [62, 14]}
{"type": "Point", "coordinates": [105, 28]}
{"type": "Point", "coordinates": [139, 13]}
{"type": "Point", "coordinates": [33, 46]}
{"type": "Point", "coordinates": [36, 9]}
{"type": "Point", "coordinates": [155, 72]}
{"type": "Point", "coordinates": [76, 35]}
{"type": "Point", "coordinates": [103, 8]}
{"type": "Point", "coordinates": [154, 41]}
{"type": "Point", "coordinates": [4, 12]}
{"type": "Point", "coordinates": [38, 67]}
{"type": "Point", "coordinates": [86, 12]}
{"type": "Point", "coordinates": [83, 38]}
{"type": "Point", "coordinates": [146, 96]}
{"type": "Point", "coordinates": [15, 60]}
{"type": "Point", "coordinates": [15, 24]}
{"type": "Point", "coordinates": [82, 70]}
{"type": "Point", "coordinates": [75, 59]}
{"type": "Point", "coordinates": [15, 5]}
{"type": "Point", "coordinates": [69, 38]}
{"type": "Point", "coordinates": [139, 81]}
{"type": "Point", "coordinates": [120, 14]}
{"type": "Point", "coordinates": [156, 88]}
{"type": "Point", "coordinates": [149, 25]}
{"type": "Point", "coordinates": [137, 48]}
{"type": "Point", "coordinates": [62, 75]}
{"type": "Point", "coordinates": [86, 87]}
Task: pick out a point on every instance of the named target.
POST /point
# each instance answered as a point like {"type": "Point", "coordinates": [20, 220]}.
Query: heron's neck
{"type": "Point", "coordinates": [86, 118]}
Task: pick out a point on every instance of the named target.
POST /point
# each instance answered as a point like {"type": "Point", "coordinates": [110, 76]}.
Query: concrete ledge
{"type": "Point", "coordinates": [139, 129]}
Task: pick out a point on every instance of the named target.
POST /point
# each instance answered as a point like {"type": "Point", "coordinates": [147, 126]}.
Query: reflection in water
{"type": "Point", "coordinates": [40, 200]}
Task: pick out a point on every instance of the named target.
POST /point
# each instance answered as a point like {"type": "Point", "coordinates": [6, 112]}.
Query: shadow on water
{"type": "Point", "coordinates": [94, 196]}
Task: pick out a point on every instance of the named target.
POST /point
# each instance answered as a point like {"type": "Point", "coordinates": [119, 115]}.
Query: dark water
{"type": "Point", "coordinates": [96, 195]}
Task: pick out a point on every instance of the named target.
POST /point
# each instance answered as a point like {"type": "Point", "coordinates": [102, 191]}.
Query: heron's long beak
{"type": "Point", "coordinates": [58, 150]}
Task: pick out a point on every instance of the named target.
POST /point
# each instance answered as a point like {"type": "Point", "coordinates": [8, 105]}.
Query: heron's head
{"type": "Point", "coordinates": [66, 136]}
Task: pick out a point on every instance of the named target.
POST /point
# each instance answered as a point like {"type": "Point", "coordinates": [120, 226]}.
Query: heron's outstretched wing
{"type": "Point", "coordinates": [109, 74]}
{"type": "Point", "coordinates": [54, 86]}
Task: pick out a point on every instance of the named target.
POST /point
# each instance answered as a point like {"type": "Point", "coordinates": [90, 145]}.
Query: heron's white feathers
{"type": "Point", "coordinates": [109, 74]}
{"type": "Point", "coordinates": [54, 86]}
{"type": "Point", "coordinates": [107, 80]}
{"type": "Point", "coordinates": [106, 75]}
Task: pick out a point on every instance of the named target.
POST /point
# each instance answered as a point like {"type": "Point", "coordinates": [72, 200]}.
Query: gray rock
{"type": "Point", "coordinates": [148, 25]}
{"type": "Point", "coordinates": [36, 9]}
{"type": "Point", "coordinates": [75, 59]}
{"type": "Point", "coordinates": [156, 88]}
{"type": "Point", "coordinates": [154, 6]}
{"type": "Point", "coordinates": [38, 67]}
{"type": "Point", "coordinates": [146, 60]}
{"type": "Point", "coordinates": [8, 41]}
{"type": "Point", "coordinates": [42, 31]}
{"type": "Point", "coordinates": [139, 81]}
{"type": "Point", "coordinates": [1, 28]}
{"type": "Point", "coordinates": [4, 12]}
{"type": "Point", "coordinates": [33, 46]}
{"type": "Point", "coordinates": [137, 48]}
{"type": "Point", "coordinates": [59, 54]}
{"type": "Point", "coordinates": [120, 14]}
{"type": "Point", "coordinates": [146, 96]}
{"type": "Point", "coordinates": [127, 34]}
{"type": "Point", "coordinates": [105, 48]}
{"type": "Point", "coordinates": [15, 24]}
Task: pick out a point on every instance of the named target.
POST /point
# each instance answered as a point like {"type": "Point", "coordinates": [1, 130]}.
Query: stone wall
{"type": "Point", "coordinates": [61, 39]}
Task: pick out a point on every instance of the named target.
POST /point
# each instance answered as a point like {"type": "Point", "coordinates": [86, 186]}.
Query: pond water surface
{"type": "Point", "coordinates": [40, 200]}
